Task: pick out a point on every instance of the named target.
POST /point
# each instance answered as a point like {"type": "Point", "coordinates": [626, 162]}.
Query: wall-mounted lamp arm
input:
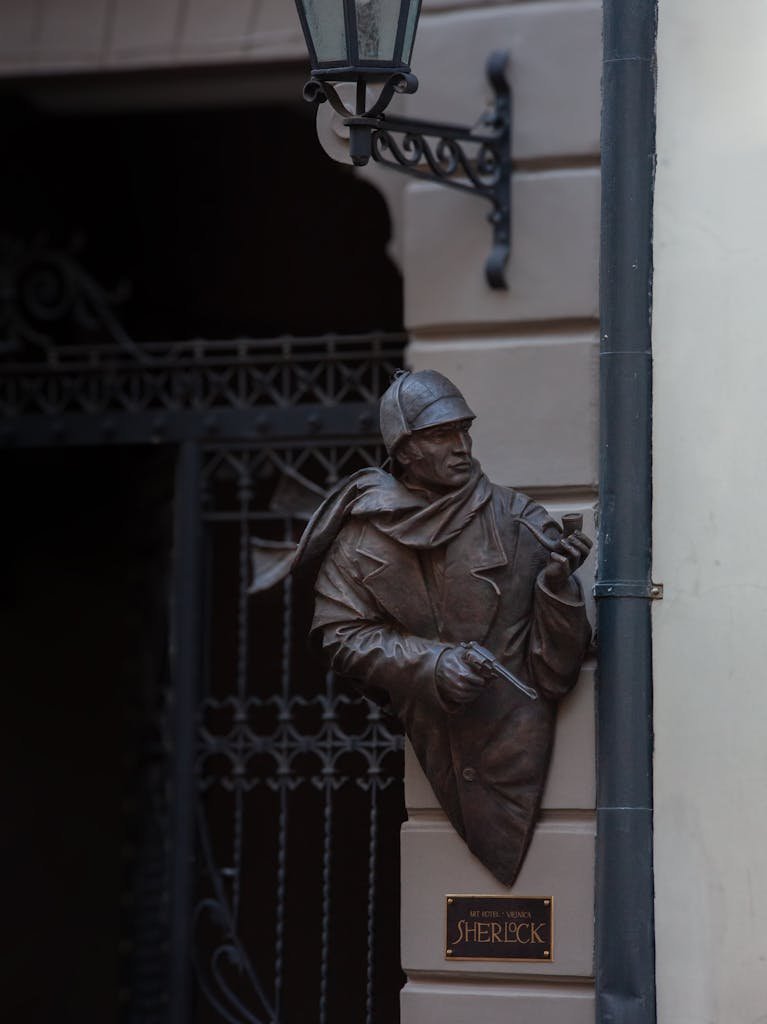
{"type": "Point", "coordinates": [462, 159]}
{"type": "Point", "coordinates": [474, 160]}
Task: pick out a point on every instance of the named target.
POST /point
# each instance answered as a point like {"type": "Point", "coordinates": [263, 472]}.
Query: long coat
{"type": "Point", "coordinates": [377, 624]}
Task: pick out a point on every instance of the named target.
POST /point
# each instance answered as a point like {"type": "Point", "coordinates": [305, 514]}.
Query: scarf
{"type": "Point", "coordinates": [411, 517]}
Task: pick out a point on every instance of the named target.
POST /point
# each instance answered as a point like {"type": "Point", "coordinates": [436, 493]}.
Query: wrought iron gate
{"type": "Point", "coordinates": [295, 771]}
{"type": "Point", "coordinates": [284, 786]}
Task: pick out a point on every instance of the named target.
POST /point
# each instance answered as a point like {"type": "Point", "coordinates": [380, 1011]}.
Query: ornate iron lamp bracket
{"type": "Point", "coordinates": [471, 159]}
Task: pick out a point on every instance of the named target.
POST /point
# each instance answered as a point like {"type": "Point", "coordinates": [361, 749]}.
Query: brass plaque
{"type": "Point", "coordinates": [500, 928]}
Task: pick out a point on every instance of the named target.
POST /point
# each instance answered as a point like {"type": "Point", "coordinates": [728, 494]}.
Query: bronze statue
{"type": "Point", "coordinates": [452, 600]}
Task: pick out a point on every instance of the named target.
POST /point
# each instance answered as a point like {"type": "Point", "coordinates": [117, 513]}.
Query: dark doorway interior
{"type": "Point", "coordinates": [223, 222]}
{"type": "Point", "coordinates": [85, 544]}
{"type": "Point", "coordinates": [214, 224]}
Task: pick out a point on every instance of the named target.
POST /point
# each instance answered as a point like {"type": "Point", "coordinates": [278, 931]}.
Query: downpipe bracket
{"type": "Point", "coordinates": [628, 588]}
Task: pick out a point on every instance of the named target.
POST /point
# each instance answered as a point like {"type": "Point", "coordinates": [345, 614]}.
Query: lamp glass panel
{"type": "Point", "coordinates": [325, 19]}
{"type": "Point", "coordinates": [377, 22]}
{"type": "Point", "coordinates": [410, 27]}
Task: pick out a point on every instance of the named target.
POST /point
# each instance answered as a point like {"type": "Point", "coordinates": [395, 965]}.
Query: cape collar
{"type": "Point", "coordinates": [405, 515]}
{"type": "Point", "coordinates": [419, 520]}
{"type": "Point", "coordinates": [410, 517]}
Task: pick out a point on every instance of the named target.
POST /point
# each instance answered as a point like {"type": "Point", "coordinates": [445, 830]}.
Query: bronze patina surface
{"type": "Point", "coordinates": [452, 601]}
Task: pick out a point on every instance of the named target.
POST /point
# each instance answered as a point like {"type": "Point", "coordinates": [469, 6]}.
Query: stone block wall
{"type": "Point", "coordinates": [527, 360]}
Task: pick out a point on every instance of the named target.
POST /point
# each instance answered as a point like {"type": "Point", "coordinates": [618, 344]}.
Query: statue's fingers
{"type": "Point", "coordinates": [571, 551]}
{"type": "Point", "coordinates": [558, 558]}
{"type": "Point", "coordinates": [558, 566]}
{"type": "Point", "coordinates": [476, 681]}
{"type": "Point", "coordinates": [469, 689]}
{"type": "Point", "coordinates": [582, 545]}
{"type": "Point", "coordinates": [470, 670]}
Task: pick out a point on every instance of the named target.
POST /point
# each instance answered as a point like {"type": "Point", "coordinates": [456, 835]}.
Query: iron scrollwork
{"type": "Point", "coordinates": [277, 741]}
{"type": "Point", "coordinates": [72, 373]}
{"type": "Point", "coordinates": [470, 159]}
{"type": "Point", "coordinates": [280, 743]}
{"type": "Point", "coordinates": [47, 295]}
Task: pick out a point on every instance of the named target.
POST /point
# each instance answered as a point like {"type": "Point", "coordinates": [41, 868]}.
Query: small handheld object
{"type": "Point", "coordinates": [571, 523]}
{"type": "Point", "coordinates": [485, 662]}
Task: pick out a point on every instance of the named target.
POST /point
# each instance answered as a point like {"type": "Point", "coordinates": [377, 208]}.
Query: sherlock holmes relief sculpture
{"type": "Point", "coordinates": [452, 600]}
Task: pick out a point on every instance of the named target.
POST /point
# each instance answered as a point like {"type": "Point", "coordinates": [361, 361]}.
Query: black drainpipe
{"type": "Point", "coordinates": [625, 954]}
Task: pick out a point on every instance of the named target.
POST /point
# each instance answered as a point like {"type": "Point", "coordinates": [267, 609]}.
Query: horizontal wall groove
{"type": "Point", "coordinates": [568, 816]}
{"type": "Point", "coordinates": [508, 331]}
{"type": "Point", "coordinates": [438, 8]}
{"type": "Point", "coordinates": [558, 820]}
{"type": "Point", "coordinates": [529, 984]}
{"type": "Point", "coordinates": [573, 494]}
{"type": "Point", "coordinates": [544, 164]}
{"type": "Point", "coordinates": [559, 166]}
{"type": "Point", "coordinates": [425, 816]}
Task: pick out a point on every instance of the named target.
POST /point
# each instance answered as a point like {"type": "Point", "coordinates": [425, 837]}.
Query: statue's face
{"type": "Point", "coordinates": [438, 458]}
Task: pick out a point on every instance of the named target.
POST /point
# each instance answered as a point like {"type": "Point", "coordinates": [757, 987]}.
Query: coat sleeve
{"type": "Point", "coordinates": [560, 632]}
{"type": "Point", "coordinates": [359, 641]}
{"type": "Point", "coordinates": [559, 639]}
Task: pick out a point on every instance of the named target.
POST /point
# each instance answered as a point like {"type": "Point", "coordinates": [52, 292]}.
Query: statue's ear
{"type": "Point", "coordinates": [407, 452]}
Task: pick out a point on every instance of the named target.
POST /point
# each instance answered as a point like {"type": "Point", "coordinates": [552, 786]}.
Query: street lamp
{"type": "Point", "coordinates": [352, 39]}
{"type": "Point", "coordinates": [370, 42]}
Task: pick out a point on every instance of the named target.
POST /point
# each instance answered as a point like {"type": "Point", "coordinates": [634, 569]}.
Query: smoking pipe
{"type": "Point", "coordinates": [571, 521]}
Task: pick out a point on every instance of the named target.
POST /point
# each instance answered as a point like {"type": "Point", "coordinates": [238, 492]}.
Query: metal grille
{"type": "Point", "coordinates": [203, 376]}
{"type": "Point", "coordinates": [297, 776]}
{"type": "Point", "coordinates": [71, 373]}
{"type": "Point", "coordinates": [284, 787]}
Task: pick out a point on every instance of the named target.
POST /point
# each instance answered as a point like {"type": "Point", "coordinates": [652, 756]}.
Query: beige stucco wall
{"type": "Point", "coordinates": [710, 484]}
{"type": "Point", "coordinates": [527, 360]}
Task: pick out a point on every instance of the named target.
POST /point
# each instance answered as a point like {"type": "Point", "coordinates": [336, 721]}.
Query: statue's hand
{"type": "Point", "coordinates": [457, 681]}
{"type": "Point", "coordinates": [569, 554]}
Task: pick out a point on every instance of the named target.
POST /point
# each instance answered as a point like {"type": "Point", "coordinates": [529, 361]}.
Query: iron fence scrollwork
{"type": "Point", "coordinates": [294, 782]}
{"type": "Point", "coordinates": [289, 745]}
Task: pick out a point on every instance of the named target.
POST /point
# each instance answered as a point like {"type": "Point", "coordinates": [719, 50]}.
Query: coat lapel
{"type": "Point", "coordinates": [394, 577]}
{"type": "Point", "coordinates": [472, 595]}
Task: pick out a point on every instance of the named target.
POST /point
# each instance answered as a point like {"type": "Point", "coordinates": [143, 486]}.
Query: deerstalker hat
{"type": "Point", "coordinates": [415, 401]}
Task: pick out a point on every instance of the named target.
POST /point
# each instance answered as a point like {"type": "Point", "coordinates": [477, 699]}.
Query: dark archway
{"type": "Point", "coordinates": [224, 222]}
{"type": "Point", "coordinates": [214, 224]}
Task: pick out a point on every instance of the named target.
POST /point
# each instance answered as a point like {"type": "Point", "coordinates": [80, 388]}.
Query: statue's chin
{"type": "Point", "coordinates": [459, 477]}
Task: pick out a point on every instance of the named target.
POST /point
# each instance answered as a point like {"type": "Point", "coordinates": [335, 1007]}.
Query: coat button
{"type": "Point", "coordinates": [469, 774]}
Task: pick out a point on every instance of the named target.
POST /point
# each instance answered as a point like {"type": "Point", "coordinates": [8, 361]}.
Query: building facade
{"type": "Point", "coordinates": [707, 427]}
{"type": "Point", "coordinates": [528, 360]}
